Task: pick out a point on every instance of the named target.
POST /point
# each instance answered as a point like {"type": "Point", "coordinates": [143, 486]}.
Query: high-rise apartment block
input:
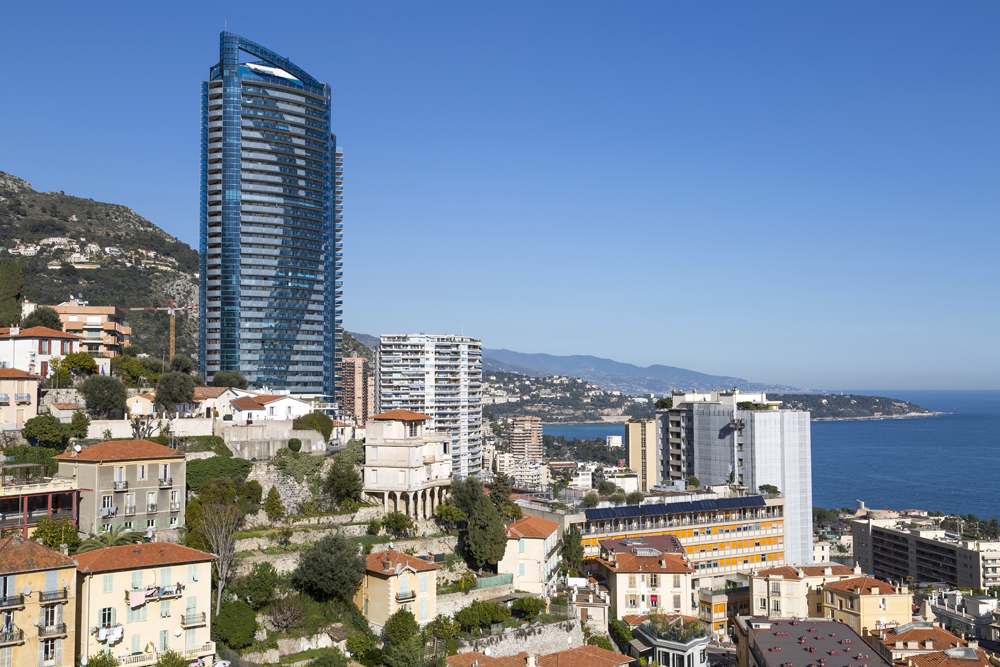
{"type": "Point", "coordinates": [439, 376]}
{"type": "Point", "coordinates": [729, 437]}
{"type": "Point", "coordinates": [359, 389]}
{"type": "Point", "coordinates": [526, 438]}
{"type": "Point", "coordinates": [641, 453]}
{"type": "Point", "coordinates": [271, 224]}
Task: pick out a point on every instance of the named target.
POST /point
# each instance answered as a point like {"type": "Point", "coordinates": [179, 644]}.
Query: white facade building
{"type": "Point", "coordinates": [32, 350]}
{"type": "Point", "coordinates": [439, 376]}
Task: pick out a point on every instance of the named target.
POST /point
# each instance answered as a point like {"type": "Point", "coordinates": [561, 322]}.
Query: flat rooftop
{"type": "Point", "coordinates": [810, 643]}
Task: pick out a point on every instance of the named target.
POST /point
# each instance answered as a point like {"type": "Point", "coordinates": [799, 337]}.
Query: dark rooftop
{"type": "Point", "coordinates": [810, 643]}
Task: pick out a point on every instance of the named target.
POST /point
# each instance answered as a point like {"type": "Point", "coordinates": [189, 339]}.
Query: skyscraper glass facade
{"type": "Point", "coordinates": [271, 224]}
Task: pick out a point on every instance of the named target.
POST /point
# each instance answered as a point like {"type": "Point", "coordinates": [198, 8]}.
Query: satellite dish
{"type": "Point", "coordinates": [177, 632]}
{"type": "Point", "coordinates": [487, 651]}
{"type": "Point", "coordinates": [77, 448]}
{"type": "Point", "coordinates": [84, 661]}
{"type": "Point", "coordinates": [36, 622]}
{"type": "Point", "coordinates": [569, 640]}
{"type": "Point", "coordinates": [26, 591]}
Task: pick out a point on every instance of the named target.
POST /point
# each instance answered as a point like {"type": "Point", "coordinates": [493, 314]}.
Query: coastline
{"type": "Point", "coordinates": [908, 415]}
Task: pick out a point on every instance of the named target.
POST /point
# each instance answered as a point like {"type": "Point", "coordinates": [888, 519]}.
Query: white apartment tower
{"type": "Point", "coordinates": [439, 376]}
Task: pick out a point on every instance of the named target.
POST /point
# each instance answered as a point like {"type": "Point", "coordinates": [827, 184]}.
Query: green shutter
{"type": "Point", "coordinates": [136, 644]}
{"type": "Point", "coordinates": [136, 580]}
{"type": "Point", "coordinates": [109, 583]}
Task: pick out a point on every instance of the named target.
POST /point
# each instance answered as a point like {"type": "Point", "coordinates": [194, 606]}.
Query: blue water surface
{"type": "Point", "coordinates": [949, 462]}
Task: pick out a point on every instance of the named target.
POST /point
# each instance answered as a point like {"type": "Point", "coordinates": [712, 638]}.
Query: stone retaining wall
{"type": "Point", "coordinates": [541, 640]}
{"type": "Point", "coordinates": [451, 603]}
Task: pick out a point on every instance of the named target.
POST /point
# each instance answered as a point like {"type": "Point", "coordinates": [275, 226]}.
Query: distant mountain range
{"type": "Point", "coordinates": [607, 373]}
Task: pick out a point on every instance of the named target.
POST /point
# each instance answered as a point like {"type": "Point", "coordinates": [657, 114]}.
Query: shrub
{"type": "Point", "coordinates": [46, 430]}
{"type": "Point", "coordinates": [591, 500]}
{"type": "Point", "coordinates": [229, 379]}
{"type": "Point", "coordinates": [294, 444]}
{"type": "Point", "coordinates": [374, 527]}
{"type": "Point", "coordinates": [529, 607]}
{"type": "Point", "coordinates": [259, 585]}
{"type": "Point", "coordinates": [79, 425]}
{"type": "Point", "coordinates": [287, 612]}
{"type": "Point", "coordinates": [481, 613]}
{"type": "Point", "coordinates": [104, 394]}
{"type": "Point", "coordinates": [235, 624]}
{"type": "Point", "coordinates": [54, 532]}
{"type": "Point", "coordinates": [635, 497]}
{"type": "Point", "coordinates": [398, 524]}
{"type": "Point", "coordinates": [330, 569]}
{"type": "Point", "coordinates": [316, 421]}
{"type": "Point", "coordinates": [401, 627]}
{"type": "Point", "coordinates": [202, 471]}
{"type": "Point", "coordinates": [252, 491]}
{"type": "Point", "coordinates": [273, 507]}
{"type": "Point", "coordinates": [620, 633]}
{"type": "Point", "coordinates": [596, 640]}
{"type": "Point", "coordinates": [169, 659]}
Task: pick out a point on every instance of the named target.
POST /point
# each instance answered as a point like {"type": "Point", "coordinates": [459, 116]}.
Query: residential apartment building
{"type": "Point", "coordinates": [895, 549]}
{"type": "Point", "coordinates": [103, 330]}
{"type": "Point", "coordinates": [641, 452]}
{"type": "Point", "coordinates": [867, 604]}
{"type": "Point", "coordinates": [395, 581]}
{"type": "Point", "coordinates": [914, 638]}
{"type": "Point", "coordinates": [672, 639]}
{"type": "Point", "coordinates": [972, 615]}
{"type": "Point", "coordinates": [439, 376]}
{"type": "Point", "coordinates": [140, 600]}
{"type": "Point", "coordinates": [32, 350]}
{"type": "Point", "coordinates": [28, 495]}
{"type": "Point", "coordinates": [794, 591]}
{"type": "Point", "coordinates": [765, 642]}
{"type": "Point", "coordinates": [730, 437]}
{"type": "Point", "coordinates": [532, 554]}
{"type": "Point", "coordinates": [267, 407]}
{"type": "Point", "coordinates": [526, 438]}
{"type": "Point", "coordinates": [649, 575]}
{"type": "Point", "coordinates": [271, 215]}
{"type": "Point", "coordinates": [18, 398]}
{"type": "Point", "coordinates": [37, 605]}
{"type": "Point", "coordinates": [359, 389]}
{"type": "Point", "coordinates": [720, 535]}
{"type": "Point", "coordinates": [530, 474]}
{"type": "Point", "coordinates": [407, 466]}
{"type": "Point", "coordinates": [134, 484]}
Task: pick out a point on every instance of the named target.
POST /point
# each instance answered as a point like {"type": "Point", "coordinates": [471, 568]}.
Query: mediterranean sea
{"type": "Point", "coordinates": [947, 462]}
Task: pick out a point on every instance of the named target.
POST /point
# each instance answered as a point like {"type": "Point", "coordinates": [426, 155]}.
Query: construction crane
{"type": "Point", "coordinates": [172, 310]}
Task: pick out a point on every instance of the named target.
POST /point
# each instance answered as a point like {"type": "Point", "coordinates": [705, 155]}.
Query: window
{"type": "Point", "coordinates": [402, 477]}
{"type": "Point", "coordinates": [374, 476]}
{"type": "Point", "coordinates": [775, 588]}
{"type": "Point", "coordinates": [631, 600]}
{"type": "Point", "coordinates": [136, 615]}
{"type": "Point", "coordinates": [173, 522]}
{"type": "Point", "coordinates": [150, 523]}
{"type": "Point", "coordinates": [127, 524]}
{"type": "Point", "coordinates": [108, 584]}
{"type": "Point", "coordinates": [136, 580]}
{"type": "Point", "coordinates": [423, 610]}
{"type": "Point", "coordinates": [119, 474]}
{"type": "Point", "coordinates": [520, 546]}
{"type": "Point", "coordinates": [412, 428]}
{"type": "Point", "coordinates": [136, 643]}
{"type": "Point", "coordinates": [654, 580]}
{"type": "Point", "coordinates": [107, 502]}
{"type": "Point", "coordinates": [192, 573]}
{"type": "Point", "coordinates": [7, 656]}
{"type": "Point", "coordinates": [631, 581]}
{"type": "Point", "coordinates": [164, 637]}
{"type": "Point", "coordinates": [373, 452]}
{"type": "Point", "coordinates": [677, 603]}
{"type": "Point", "coordinates": [142, 472]}
{"type": "Point", "coordinates": [776, 606]}
{"type": "Point", "coordinates": [164, 608]}
{"type": "Point", "coordinates": [520, 569]}
{"type": "Point", "coordinates": [190, 638]}
{"type": "Point", "coordinates": [164, 471]}
{"type": "Point", "coordinates": [48, 651]}
{"type": "Point", "coordinates": [819, 608]}
{"type": "Point", "coordinates": [677, 581]}
{"type": "Point", "coordinates": [129, 502]}
{"type": "Point", "coordinates": [107, 617]}
{"type": "Point", "coordinates": [762, 604]}
{"type": "Point", "coordinates": [43, 347]}
{"type": "Point", "coordinates": [105, 527]}
{"type": "Point", "coordinates": [423, 582]}
{"type": "Point", "coordinates": [404, 585]}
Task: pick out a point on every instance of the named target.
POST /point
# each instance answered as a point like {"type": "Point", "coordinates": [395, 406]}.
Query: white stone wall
{"type": "Point", "coordinates": [541, 640]}
{"type": "Point", "coordinates": [454, 602]}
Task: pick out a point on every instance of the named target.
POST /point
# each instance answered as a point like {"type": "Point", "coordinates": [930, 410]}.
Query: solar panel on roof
{"type": "Point", "coordinates": [628, 511]}
{"type": "Point", "coordinates": [654, 510]}
{"type": "Point", "coordinates": [592, 515]}
{"type": "Point", "coordinates": [678, 508]}
{"type": "Point", "coordinates": [704, 505]}
{"type": "Point", "coordinates": [753, 501]}
{"type": "Point", "coordinates": [728, 503]}
{"type": "Point", "coordinates": [606, 513]}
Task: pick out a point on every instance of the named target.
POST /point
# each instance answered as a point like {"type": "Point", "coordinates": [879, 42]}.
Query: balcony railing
{"type": "Point", "coordinates": [166, 481]}
{"type": "Point", "coordinates": [192, 620]}
{"type": "Point", "coordinates": [12, 636]}
{"type": "Point", "coordinates": [53, 596]}
{"type": "Point", "coordinates": [175, 506]}
{"type": "Point", "coordinates": [12, 601]}
{"type": "Point", "coordinates": [129, 510]}
{"type": "Point", "coordinates": [4, 398]}
{"type": "Point", "coordinates": [156, 593]}
{"type": "Point", "coordinates": [53, 630]}
{"type": "Point", "coordinates": [205, 649]}
{"type": "Point", "coordinates": [121, 486]}
{"type": "Point", "coordinates": [151, 508]}
{"type": "Point", "coordinates": [406, 596]}
{"type": "Point", "coordinates": [22, 398]}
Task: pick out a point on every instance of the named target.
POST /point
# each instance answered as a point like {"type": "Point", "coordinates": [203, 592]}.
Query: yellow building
{"type": "Point", "coordinates": [867, 603]}
{"type": "Point", "coordinates": [396, 581]}
{"type": "Point", "coordinates": [794, 592]}
{"type": "Point", "coordinates": [532, 554]}
{"type": "Point", "coordinates": [18, 398]}
{"type": "Point", "coordinates": [140, 600]}
{"type": "Point", "coordinates": [641, 453]}
{"type": "Point", "coordinates": [140, 404]}
{"type": "Point", "coordinates": [37, 605]}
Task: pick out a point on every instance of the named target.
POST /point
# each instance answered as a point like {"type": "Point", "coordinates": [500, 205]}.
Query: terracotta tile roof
{"type": "Point", "coordinates": [531, 526]}
{"type": "Point", "coordinates": [634, 620]}
{"type": "Point", "coordinates": [397, 561]}
{"type": "Point", "coordinates": [65, 406]}
{"type": "Point", "coordinates": [134, 556]}
{"type": "Point", "coordinates": [864, 583]}
{"type": "Point", "coordinates": [789, 572]}
{"type": "Point", "coordinates": [15, 373]}
{"type": "Point", "coordinates": [201, 393]}
{"type": "Point", "coordinates": [950, 658]}
{"type": "Point", "coordinates": [122, 450]}
{"type": "Point", "coordinates": [476, 659]}
{"type": "Point", "coordinates": [941, 638]}
{"type": "Point", "coordinates": [401, 416]}
{"type": "Point", "coordinates": [337, 424]}
{"type": "Point", "coordinates": [246, 403]}
{"type": "Point", "coordinates": [37, 332]}
{"type": "Point", "coordinates": [584, 656]}
{"type": "Point", "coordinates": [147, 396]}
{"type": "Point", "coordinates": [630, 563]}
{"type": "Point", "coordinates": [18, 554]}
{"type": "Point", "coordinates": [269, 398]}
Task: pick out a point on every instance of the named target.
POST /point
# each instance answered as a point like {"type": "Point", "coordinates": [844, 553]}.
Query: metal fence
{"type": "Point", "coordinates": [498, 580]}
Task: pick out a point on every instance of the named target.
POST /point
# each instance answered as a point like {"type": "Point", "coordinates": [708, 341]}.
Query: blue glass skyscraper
{"type": "Point", "coordinates": [271, 224]}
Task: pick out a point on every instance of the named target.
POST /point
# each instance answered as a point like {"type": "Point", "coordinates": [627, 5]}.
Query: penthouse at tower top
{"type": "Point", "coordinates": [271, 224]}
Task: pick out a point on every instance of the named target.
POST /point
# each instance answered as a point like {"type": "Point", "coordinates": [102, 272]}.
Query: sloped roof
{"type": "Point", "coordinates": [401, 416]}
{"type": "Point", "coordinates": [953, 657]}
{"type": "Point", "coordinates": [135, 556]}
{"type": "Point", "coordinates": [864, 583]}
{"type": "Point", "coordinates": [584, 656]}
{"type": "Point", "coordinates": [789, 572]}
{"type": "Point", "coordinates": [910, 632]}
{"type": "Point", "coordinates": [15, 373]}
{"type": "Point", "coordinates": [396, 562]}
{"type": "Point", "coordinates": [37, 332]}
{"type": "Point", "coordinates": [122, 450]}
{"type": "Point", "coordinates": [630, 563]}
{"type": "Point", "coordinates": [476, 659]}
{"type": "Point", "coordinates": [246, 403]}
{"type": "Point", "coordinates": [65, 406]}
{"type": "Point", "coordinates": [531, 526]}
{"type": "Point", "coordinates": [208, 392]}
{"type": "Point", "coordinates": [19, 554]}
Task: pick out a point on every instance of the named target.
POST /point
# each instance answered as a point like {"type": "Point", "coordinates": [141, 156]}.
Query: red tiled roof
{"type": "Point", "coordinates": [147, 396]}
{"type": "Point", "coordinates": [269, 398]}
{"type": "Point", "coordinates": [941, 638]}
{"type": "Point", "coordinates": [630, 563]}
{"type": "Point", "coordinates": [37, 332]}
{"type": "Point", "coordinates": [65, 406]}
{"type": "Point", "coordinates": [15, 373]}
{"type": "Point", "coordinates": [134, 556]}
{"type": "Point", "coordinates": [634, 620]}
{"type": "Point", "coordinates": [476, 659]}
{"type": "Point", "coordinates": [18, 554]}
{"type": "Point", "coordinates": [864, 583]}
{"type": "Point", "coordinates": [401, 416]}
{"type": "Point", "coordinates": [208, 392]}
{"type": "Point", "coordinates": [531, 526]}
{"type": "Point", "coordinates": [789, 572]}
{"type": "Point", "coordinates": [397, 561]}
{"type": "Point", "coordinates": [122, 450]}
{"type": "Point", "coordinates": [246, 403]}
{"type": "Point", "coordinates": [584, 656]}
{"type": "Point", "coordinates": [942, 659]}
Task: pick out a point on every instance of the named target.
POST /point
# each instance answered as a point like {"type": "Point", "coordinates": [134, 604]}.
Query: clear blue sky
{"type": "Point", "coordinates": [805, 190]}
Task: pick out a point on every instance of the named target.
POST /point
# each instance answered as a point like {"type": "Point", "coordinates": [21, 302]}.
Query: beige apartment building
{"type": "Point", "coordinates": [915, 638]}
{"type": "Point", "coordinates": [646, 576]}
{"type": "Point", "coordinates": [867, 604]}
{"type": "Point", "coordinates": [18, 398]}
{"type": "Point", "coordinates": [134, 484]}
{"type": "Point", "coordinates": [102, 329]}
{"type": "Point", "coordinates": [37, 605]}
{"type": "Point", "coordinates": [395, 581]}
{"type": "Point", "coordinates": [140, 600]}
{"type": "Point", "coordinates": [526, 438]}
{"type": "Point", "coordinates": [794, 591]}
{"type": "Point", "coordinates": [407, 466]}
{"type": "Point", "coordinates": [641, 452]}
{"type": "Point", "coordinates": [359, 389]}
{"type": "Point", "coordinates": [532, 554]}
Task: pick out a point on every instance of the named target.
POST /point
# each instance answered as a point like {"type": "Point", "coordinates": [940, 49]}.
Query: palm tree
{"type": "Point", "coordinates": [116, 537]}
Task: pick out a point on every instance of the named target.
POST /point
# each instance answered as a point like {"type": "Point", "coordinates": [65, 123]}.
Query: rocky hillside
{"type": "Point", "coordinates": [108, 253]}
{"type": "Point", "coordinates": [824, 407]}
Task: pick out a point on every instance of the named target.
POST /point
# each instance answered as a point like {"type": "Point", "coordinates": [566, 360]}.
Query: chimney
{"type": "Point", "coordinates": [929, 644]}
{"type": "Point", "coordinates": [15, 330]}
{"type": "Point", "coordinates": [64, 549]}
{"type": "Point", "coordinates": [531, 660]}
{"type": "Point", "coordinates": [386, 562]}
{"type": "Point", "coordinates": [663, 563]}
{"type": "Point", "coordinates": [828, 571]}
{"type": "Point", "coordinates": [857, 590]}
{"type": "Point", "coordinates": [874, 590]}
